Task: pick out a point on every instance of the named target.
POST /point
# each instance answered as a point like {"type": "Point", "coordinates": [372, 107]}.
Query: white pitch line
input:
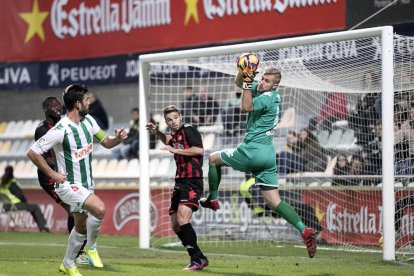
{"type": "Point", "coordinates": [344, 249]}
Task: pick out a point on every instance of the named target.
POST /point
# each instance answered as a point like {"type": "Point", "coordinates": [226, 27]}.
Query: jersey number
{"type": "Point", "coordinates": [74, 188]}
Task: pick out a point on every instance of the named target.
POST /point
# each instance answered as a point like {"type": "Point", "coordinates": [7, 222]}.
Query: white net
{"type": "Point", "coordinates": [328, 142]}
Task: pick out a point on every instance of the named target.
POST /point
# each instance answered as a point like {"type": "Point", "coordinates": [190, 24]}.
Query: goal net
{"type": "Point", "coordinates": [334, 166]}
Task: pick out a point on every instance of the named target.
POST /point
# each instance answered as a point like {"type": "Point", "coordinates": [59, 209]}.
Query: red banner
{"type": "Point", "coordinates": [354, 217]}
{"type": "Point", "coordinates": [121, 216]}
{"type": "Point", "coordinates": [346, 216]}
{"type": "Point", "coordinates": [35, 30]}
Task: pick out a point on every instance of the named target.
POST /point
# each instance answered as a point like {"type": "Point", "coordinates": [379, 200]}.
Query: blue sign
{"type": "Point", "coordinates": [99, 71]}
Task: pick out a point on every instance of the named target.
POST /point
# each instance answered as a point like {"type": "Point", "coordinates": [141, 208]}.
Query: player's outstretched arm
{"type": "Point", "coordinates": [152, 128]}
{"type": "Point", "coordinates": [111, 141]}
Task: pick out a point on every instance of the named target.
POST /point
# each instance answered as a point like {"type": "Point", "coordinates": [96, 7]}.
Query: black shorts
{"type": "Point", "coordinates": [187, 191]}
{"type": "Point", "coordinates": [50, 189]}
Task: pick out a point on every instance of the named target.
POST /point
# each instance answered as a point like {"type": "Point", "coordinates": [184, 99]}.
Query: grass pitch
{"type": "Point", "coordinates": [42, 253]}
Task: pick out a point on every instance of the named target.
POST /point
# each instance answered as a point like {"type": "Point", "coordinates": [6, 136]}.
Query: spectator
{"type": "Point", "coordinates": [97, 111]}
{"type": "Point", "coordinates": [129, 149]}
{"type": "Point", "coordinates": [289, 160]}
{"type": "Point", "coordinates": [357, 169]}
{"type": "Point", "coordinates": [312, 155]}
{"type": "Point", "coordinates": [362, 121]}
{"type": "Point", "coordinates": [372, 152]}
{"type": "Point", "coordinates": [208, 108]}
{"type": "Point", "coordinates": [189, 107]}
{"type": "Point", "coordinates": [410, 95]}
{"type": "Point", "coordinates": [406, 133]}
{"type": "Point", "coordinates": [334, 109]}
{"type": "Point", "coordinates": [342, 167]}
{"type": "Point", "coordinates": [369, 85]}
{"type": "Point", "coordinates": [232, 117]}
{"type": "Point", "coordinates": [10, 190]}
{"type": "Point", "coordinates": [401, 149]}
{"type": "Point", "coordinates": [401, 108]}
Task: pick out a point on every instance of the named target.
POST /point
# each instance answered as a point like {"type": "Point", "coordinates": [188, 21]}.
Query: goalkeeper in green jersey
{"type": "Point", "coordinates": [257, 154]}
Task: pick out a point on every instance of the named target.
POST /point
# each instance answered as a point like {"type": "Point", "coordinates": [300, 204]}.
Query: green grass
{"type": "Point", "coordinates": [42, 253]}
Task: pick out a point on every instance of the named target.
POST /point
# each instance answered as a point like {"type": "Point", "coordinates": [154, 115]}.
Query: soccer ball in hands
{"type": "Point", "coordinates": [247, 60]}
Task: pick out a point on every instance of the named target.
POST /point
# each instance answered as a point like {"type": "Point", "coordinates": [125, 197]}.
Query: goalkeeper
{"type": "Point", "coordinates": [257, 154]}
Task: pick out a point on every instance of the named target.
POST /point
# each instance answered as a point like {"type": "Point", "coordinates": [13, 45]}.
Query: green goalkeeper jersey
{"type": "Point", "coordinates": [262, 121]}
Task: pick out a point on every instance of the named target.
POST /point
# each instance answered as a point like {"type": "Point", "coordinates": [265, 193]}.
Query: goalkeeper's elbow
{"type": "Point", "coordinates": [247, 108]}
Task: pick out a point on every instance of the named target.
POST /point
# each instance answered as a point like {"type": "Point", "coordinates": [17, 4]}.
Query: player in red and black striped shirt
{"type": "Point", "coordinates": [52, 109]}
{"type": "Point", "coordinates": [187, 146]}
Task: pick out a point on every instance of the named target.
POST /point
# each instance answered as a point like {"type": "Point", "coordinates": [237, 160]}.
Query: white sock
{"type": "Point", "coordinates": [75, 242]}
{"type": "Point", "coordinates": [93, 226]}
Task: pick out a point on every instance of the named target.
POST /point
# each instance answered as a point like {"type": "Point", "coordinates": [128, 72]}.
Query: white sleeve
{"type": "Point", "coordinates": [94, 124]}
{"type": "Point", "coordinates": [97, 132]}
{"type": "Point", "coordinates": [47, 141]}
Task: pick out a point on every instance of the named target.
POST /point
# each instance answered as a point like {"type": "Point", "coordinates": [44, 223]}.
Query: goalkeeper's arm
{"type": "Point", "coordinates": [239, 80]}
{"type": "Point", "coordinates": [247, 101]}
{"type": "Point", "coordinates": [247, 98]}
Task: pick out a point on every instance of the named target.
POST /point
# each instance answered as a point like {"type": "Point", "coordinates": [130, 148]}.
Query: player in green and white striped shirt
{"type": "Point", "coordinates": [72, 142]}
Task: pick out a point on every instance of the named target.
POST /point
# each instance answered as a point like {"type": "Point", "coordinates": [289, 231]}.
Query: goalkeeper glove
{"type": "Point", "coordinates": [248, 70]}
{"type": "Point", "coordinates": [248, 78]}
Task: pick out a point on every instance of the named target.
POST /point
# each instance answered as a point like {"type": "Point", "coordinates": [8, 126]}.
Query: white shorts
{"type": "Point", "coordinates": [74, 195]}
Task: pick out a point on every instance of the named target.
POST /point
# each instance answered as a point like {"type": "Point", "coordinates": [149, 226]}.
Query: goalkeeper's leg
{"type": "Point", "coordinates": [214, 178]}
{"type": "Point", "coordinates": [273, 200]}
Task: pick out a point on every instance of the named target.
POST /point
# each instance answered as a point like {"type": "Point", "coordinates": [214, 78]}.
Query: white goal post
{"type": "Point", "coordinates": [386, 38]}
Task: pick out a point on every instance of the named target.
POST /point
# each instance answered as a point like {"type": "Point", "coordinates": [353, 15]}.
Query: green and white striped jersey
{"type": "Point", "coordinates": [72, 146]}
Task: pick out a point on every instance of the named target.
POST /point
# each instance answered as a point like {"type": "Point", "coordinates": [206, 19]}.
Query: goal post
{"type": "Point", "coordinates": [144, 188]}
{"type": "Point", "coordinates": [388, 201]}
{"type": "Point", "coordinates": [306, 77]}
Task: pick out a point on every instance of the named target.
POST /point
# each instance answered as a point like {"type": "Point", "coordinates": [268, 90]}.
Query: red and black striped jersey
{"type": "Point", "coordinates": [187, 166]}
{"type": "Point", "coordinates": [41, 130]}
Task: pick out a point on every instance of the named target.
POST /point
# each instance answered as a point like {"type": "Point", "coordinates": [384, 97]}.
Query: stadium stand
{"type": "Point", "coordinates": [17, 136]}
{"type": "Point", "coordinates": [3, 126]}
{"type": "Point", "coordinates": [132, 169]}
{"type": "Point", "coordinates": [163, 167]}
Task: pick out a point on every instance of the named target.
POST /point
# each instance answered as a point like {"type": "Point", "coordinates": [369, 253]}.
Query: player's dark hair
{"type": "Point", "coordinates": [48, 101]}
{"type": "Point", "coordinates": [135, 109]}
{"type": "Point", "coordinates": [170, 108]}
{"type": "Point", "coordinates": [74, 93]}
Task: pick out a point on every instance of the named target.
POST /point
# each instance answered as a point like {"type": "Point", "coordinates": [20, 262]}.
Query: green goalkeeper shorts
{"type": "Point", "coordinates": [256, 158]}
